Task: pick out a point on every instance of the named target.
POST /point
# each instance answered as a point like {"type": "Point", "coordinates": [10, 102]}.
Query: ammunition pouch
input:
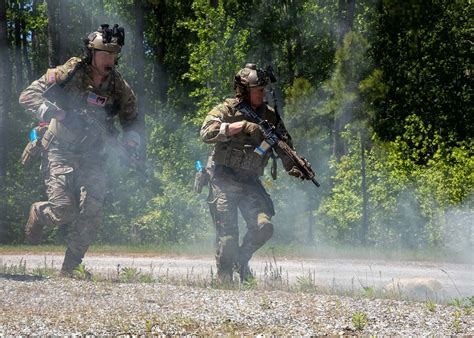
{"type": "Point", "coordinates": [200, 180]}
{"type": "Point", "coordinates": [47, 139]}
{"type": "Point", "coordinates": [33, 149]}
{"type": "Point", "coordinates": [242, 159]}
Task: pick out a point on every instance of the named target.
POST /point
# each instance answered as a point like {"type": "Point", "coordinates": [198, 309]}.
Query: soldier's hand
{"type": "Point", "coordinates": [250, 128]}
{"type": "Point", "coordinates": [48, 111]}
{"type": "Point", "coordinates": [296, 173]}
{"type": "Point", "coordinates": [131, 142]}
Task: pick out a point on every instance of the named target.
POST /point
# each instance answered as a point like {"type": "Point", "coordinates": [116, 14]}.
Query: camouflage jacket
{"type": "Point", "coordinates": [113, 97]}
{"type": "Point", "coordinates": [237, 151]}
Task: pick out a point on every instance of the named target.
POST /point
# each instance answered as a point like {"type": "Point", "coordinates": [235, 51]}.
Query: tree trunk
{"type": "Point", "coordinates": [63, 30]}
{"type": "Point", "coordinates": [160, 74]}
{"type": "Point", "coordinates": [53, 36]}
{"type": "Point", "coordinates": [346, 22]}
{"type": "Point", "coordinates": [346, 12]}
{"type": "Point", "coordinates": [5, 99]}
{"type": "Point", "coordinates": [365, 195]}
{"type": "Point", "coordinates": [139, 62]}
{"type": "Point", "coordinates": [18, 60]}
{"type": "Point", "coordinates": [26, 58]}
{"type": "Point", "coordinates": [36, 44]}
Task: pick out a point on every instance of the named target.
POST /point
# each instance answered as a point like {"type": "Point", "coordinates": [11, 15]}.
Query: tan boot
{"type": "Point", "coordinates": [33, 229]}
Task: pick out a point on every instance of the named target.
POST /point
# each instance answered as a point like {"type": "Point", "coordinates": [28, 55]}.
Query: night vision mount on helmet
{"type": "Point", "coordinates": [250, 77]}
{"type": "Point", "coordinates": [106, 39]}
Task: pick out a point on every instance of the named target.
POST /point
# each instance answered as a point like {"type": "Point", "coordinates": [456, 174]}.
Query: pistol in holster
{"type": "Point", "coordinates": [200, 180]}
{"type": "Point", "coordinates": [34, 148]}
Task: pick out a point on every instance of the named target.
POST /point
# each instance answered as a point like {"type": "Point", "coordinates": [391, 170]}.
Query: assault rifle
{"type": "Point", "coordinates": [59, 99]}
{"type": "Point", "coordinates": [272, 140]}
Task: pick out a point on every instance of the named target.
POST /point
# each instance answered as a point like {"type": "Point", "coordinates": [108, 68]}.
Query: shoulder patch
{"type": "Point", "coordinates": [61, 72]}
{"type": "Point", "coordinates": [51, 75]}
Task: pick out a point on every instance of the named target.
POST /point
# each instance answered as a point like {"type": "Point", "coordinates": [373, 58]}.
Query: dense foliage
{"type": "Point", "coordinates": [376, 94]}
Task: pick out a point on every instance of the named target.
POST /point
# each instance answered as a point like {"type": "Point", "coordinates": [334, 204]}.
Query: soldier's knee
{"type": "Point", "coordinates": [265, 229]}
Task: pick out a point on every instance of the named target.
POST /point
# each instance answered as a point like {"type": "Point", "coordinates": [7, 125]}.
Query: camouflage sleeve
{"type": "Point", "coordinates": [214, 129]}
{"type": "Point", "coordinates": [31, 98]}
{"type": "Point", "coordinates": [128, 114]}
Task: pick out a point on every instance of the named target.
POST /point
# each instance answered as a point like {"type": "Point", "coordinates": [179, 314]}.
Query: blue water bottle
{"type": "Point", "coordinates": [198, 166]}
{"type": "Point", "coordinates": [33, 135]}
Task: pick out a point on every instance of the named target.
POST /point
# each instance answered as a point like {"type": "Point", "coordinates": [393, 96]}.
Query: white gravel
{"type": "Point", "coordinates": [59, 306]}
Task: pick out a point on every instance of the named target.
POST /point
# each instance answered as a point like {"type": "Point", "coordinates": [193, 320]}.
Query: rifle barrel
{"type": "Point", "coordinates": [316, 183]}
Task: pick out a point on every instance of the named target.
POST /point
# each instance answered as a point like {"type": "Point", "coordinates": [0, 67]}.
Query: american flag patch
{"type": "Point", "coordinates": [97, 100]}
{"type": "Point", "coordinates": [51, 76]}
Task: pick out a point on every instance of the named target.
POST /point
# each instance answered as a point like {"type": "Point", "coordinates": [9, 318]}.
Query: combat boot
{"type": "Point", "coordinates": [33, 229]}
{"type": "Point", "coordinates": [70, 263]}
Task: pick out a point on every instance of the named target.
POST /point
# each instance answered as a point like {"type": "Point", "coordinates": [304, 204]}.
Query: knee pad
{"type": "Point", "coordinates": [264, 228]}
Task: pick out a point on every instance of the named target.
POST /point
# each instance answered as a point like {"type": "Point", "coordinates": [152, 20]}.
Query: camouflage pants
{"type": "Point", "coordinates": [228, 194]}
{"type": "Point", "coordinates": [75, 189]}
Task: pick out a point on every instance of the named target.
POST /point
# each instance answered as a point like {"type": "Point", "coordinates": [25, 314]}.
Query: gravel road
{"type": "Point", "coordinates": [456, 280]}
{"type": "Point", "coordinates": [59, 306]}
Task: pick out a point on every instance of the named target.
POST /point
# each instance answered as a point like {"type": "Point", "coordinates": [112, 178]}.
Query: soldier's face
{"type": "Point", "coordinates": [104, 61]}
{"type": "Point", "coordinates": [257, 95]}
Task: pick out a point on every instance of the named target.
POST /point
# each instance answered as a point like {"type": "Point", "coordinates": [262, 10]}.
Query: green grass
{"type": "Point", "coordinates": [359, 320]}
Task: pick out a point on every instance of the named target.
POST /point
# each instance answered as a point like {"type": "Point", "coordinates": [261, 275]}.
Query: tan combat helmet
{"type": "Point", "coordinates": [249, 77]}
{"type": "Point", "coordinates": [109, 40]}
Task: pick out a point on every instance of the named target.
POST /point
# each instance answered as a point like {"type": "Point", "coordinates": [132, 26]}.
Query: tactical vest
{"type": "Point", "coordinates": [238, 153]}
{"type": "Point", "coordinates": [74, 133]}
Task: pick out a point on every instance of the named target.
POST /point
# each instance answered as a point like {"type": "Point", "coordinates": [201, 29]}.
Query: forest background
{"type": "Point", "coordinates": [377, 95]}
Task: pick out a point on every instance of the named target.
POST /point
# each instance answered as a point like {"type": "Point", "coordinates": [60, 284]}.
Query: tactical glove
{"type": "Point", "coordinates": [131, 141]}
{"type": "Point", "coordinates": [47, 111]}
{"type": "Point", "coordinates": [296, 173]}
{"type": "Point", "coordinates": [250, 128]}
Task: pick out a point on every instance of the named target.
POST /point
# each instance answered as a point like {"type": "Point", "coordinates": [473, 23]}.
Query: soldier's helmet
{"type": "Point", "coordinates": [249, 77]}
{"type": "Point", "coordinates": [106, 39]}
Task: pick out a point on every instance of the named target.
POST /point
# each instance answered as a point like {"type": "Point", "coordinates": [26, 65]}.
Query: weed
{"type": "Point", "coordinates": [305, 283]}
{"type": "Point", "coordinates": [45, 270]}
{"type": "Point", "coordinates": [149, 325]}
{"type": "Point", "coordinates": [368, 292]}
{"type": "Point", "coordinates": [250, 283]}
{"type": "Point", "coordinates": [265, 303]}
{"type": "Point", "coordinates": [457, 321]}
{"type": "Point", "coordinates": [431, 306]}
{"type": "Point", "coordinates": [129, 275]}
{"type": "Point", "coordinates": [466, 303]}
{"type": "Point", "coordinates": [272, 273]}
{"type": "Point", "coordinates": [146, 277]}
{"type": "Point", "coordinates": [81, 272]}
{"type": "Point", "coordinates": [19, 269]}
{"type": "Point", "coordinates": [359, 320]}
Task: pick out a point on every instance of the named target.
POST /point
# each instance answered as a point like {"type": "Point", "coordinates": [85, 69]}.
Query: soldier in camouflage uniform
{"type": "Point", "coordinates": [235, 168]}
{"type": "Point", "coordinates": [73, 156]}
